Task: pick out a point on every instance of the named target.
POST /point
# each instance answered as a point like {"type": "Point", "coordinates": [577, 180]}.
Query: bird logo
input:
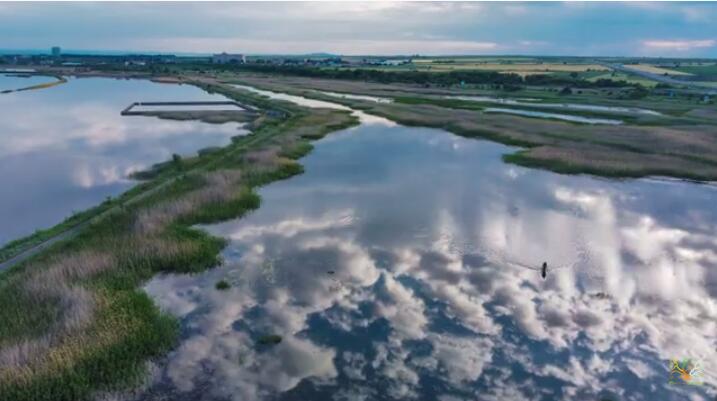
{"type": "Point", "coordinates": [685, 371]}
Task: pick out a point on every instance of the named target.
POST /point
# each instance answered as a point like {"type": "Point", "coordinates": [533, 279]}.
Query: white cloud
{"type": "Point", "coordinates": [533, 43]}
{"type": "Point", "coordinates": [339, 46]}
{"type": "Point", "coordinates": [679, 45]}
{"type": "Point", "coordinates": [642, 308]}
{"type": "Point", "coordinates": [463, 358]}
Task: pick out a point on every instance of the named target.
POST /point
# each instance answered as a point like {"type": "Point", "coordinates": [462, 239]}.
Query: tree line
{"type": "Point", "coordinates": [506, 80]}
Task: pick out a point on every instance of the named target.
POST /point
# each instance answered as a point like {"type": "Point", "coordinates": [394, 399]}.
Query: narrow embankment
{"type": "Point", "coordinates": [59, 81]}
{"type": "Point", "coordinates": [74, 320]}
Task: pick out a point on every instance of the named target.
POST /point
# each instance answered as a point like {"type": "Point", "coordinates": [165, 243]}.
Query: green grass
{"type": "Point", "coordinates": [615, 170]}
{"type": "Point", "coordinates": [641, 148]}
{"type": "Point", "coordinates": [621, 76]}
{"type": "Point", "coordinates": [298, 150]}
{"type": "Point", "coordinates": [82, 293]}
{"type": "Point", "coordinates": [699, 70]}
{"type": "Point", "coordinates": [522, 158]}
{"type": "Point", "coordinates": [20, 245]}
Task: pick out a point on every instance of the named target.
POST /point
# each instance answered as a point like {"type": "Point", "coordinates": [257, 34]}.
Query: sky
{"type": "Point", "coordinates": [374, 27]}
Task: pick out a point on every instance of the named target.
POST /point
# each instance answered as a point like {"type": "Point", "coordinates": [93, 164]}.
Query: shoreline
{"type": "Point", "coordinates": [28, 244]}
{"type": "Point", "coordinates": [523, 157]}
{"type": "Point", "coordinates": [115, 327]}
{"type": "Point", "coordinates": [625, 151]}
{"type": "Point", "coordinates": [59, 81]}
{"type": "Point", "coordinates": [147, 230]}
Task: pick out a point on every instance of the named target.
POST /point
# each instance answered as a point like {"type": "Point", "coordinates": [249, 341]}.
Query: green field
{"type": "Point", "coordinates": [701, 71]}
{"type": "Point", "coordinates": [621, 76]}
{"type": "Point", "coordinates": [515, 65]}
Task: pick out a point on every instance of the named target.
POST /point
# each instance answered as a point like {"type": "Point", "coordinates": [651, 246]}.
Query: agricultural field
{"type": "Point", "coordinates": [620, 76]}
{"type": "Point", "coordinates": [703, 71]}
{"type": "Point", "coordinates": [653, 69]}
{"type": "Point", "coordinates": [518, 66]}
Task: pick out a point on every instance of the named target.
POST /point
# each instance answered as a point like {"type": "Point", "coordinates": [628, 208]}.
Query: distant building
{"type": "Point", "coordinates": [396, 62]}
{"type": "Point", "coordinates": [386, 62]}
{"type": "Point", "coordinates": [56, 51]}
{"type": "Point", "coordinates": [226, 58]}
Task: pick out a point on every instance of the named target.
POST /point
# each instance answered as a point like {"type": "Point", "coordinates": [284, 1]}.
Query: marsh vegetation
{"type": "Point", "coordinates": [78, 322]}
{"type": "Point", "coordinates": [672, 144]}
{"type": "Point", "coordinates": [74, 320]}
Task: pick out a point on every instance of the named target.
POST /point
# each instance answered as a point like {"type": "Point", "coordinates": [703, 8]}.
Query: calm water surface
{"type": "Point", "coordinates": [571, 106]}
{"type": "Point", "coordinates": [293, 98]}
{"type": "Point", "coordinates": [12, 81]}
{"type": "Point", "coordinates": [556, 116]}
{"type": "Point", "coordinates": [403, 264]}
{"type": "Point", "coordinates": [66, 148]}
{"type": "Point", "coordinates": [358, 97]}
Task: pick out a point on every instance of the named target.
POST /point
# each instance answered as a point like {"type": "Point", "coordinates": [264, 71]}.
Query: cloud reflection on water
{"type": "Point", "coordinates": [68, 147]}
{"type": "Point", "coordinates": [430, 292]}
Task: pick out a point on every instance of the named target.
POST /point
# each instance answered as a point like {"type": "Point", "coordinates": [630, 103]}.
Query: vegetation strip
{"type": "Point", "coordinates": [74, 320]}
{"type": "Point", "coordinates": [679, 147]}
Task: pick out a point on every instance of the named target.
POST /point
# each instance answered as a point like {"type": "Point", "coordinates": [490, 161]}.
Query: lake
{"type": "Point", "coordinates": [405, 264]}
{"type": "Point", "coordinates": [14, 81]}
{"type": "Point", "coordinates": [67, 148]}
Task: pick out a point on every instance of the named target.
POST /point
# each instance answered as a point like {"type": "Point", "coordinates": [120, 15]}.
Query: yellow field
{"type": "Point", "coordinates": [475, 60]}
{"type": "Point", "coordinates": [518, 68]}
{"type": "Point", "coordinates": [655, 70]}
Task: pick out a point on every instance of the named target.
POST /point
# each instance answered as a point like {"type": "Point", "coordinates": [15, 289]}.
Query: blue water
{"type": "Point", "coordinates": [66, 148]}
{"type": "Point", "coordinates": [14, 81]}
{"type": "Point", "coordinates": [404, 264]}
{"type": "Point", "coordinates": [556, 116]}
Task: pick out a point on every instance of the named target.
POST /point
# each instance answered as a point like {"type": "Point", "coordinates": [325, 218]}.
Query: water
{"type": "Point", "coordinates": [313, 103]}
{"type": "Point", "coordinates": [12, 81]}
{"type": "Point", "coordinates": [571, 106]}
{"type": "Point", "coordinates": [404, 264]}
{"type": "Point", "coordinates": [300, 100]}
{"type": "Point", "coordinates": [556, 116]}
{"type": "Point", "coordinates": [358, 97]}
{"type": "Point", "coordinates": [66, 148]}
{"type": "Point", "coordinates": [606, 109]}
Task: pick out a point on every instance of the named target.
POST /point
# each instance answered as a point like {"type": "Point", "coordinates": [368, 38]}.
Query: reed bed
{"type": "Point", "coordinates": [75, 323]}
{"type": "Point", "coordinates": [679, 144]}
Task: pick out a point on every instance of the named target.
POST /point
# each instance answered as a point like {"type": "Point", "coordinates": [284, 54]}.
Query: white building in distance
{"type": "Point", "coordinates": [226, 58]}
